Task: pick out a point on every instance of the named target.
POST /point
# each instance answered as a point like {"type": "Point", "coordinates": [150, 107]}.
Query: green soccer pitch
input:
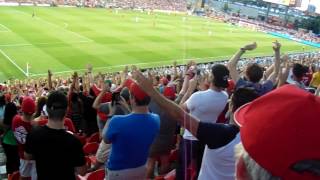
{"type": "Point", "coordinates": [66, 39]}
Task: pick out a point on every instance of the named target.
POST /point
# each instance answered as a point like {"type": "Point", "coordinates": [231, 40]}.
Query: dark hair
{"type": "Point", "coordinates": [57, 105]}
{"type": "Point", "coordinates": [254, 72]}
{"type": "Point", "coordinates": [145, 102]}
{"type": "Point", "coordinates": [157, 78]}
{"type": "Point", "coordinates": [9, 113]}
{"type": "Point", "coordinates": [40, 103]}
{"type": "Point", "coordinates": [115, 98]}
{"type": "Point", "coordinates": [220, 76]}
{"type": "Point", "coordinates": [168, 76]}
{"type": "Point", "coordinates": [299, 70]}
{"type": "Point", "coordinates": [243, 96]}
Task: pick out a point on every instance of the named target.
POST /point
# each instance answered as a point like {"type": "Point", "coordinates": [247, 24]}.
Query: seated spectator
{"type": "Point", "coordinates": [131, 137]}
{"type": "Point", "coordinates": [57, 153]}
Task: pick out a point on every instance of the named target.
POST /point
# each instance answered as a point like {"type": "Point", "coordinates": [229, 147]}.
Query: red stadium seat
{"type": "Point", "coordinates": [97, 175]}
{"type": "Point", "coordinates": [81, 138]}
{"type": "Point", "coordinates": [94, 138]}
{"type": "Point", "coordinates": [90, 148]}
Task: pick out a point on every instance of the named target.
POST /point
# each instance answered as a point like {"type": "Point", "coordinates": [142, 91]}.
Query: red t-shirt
{"type": "Point", "coordinates": [68, 124]}
{"type": "Point", "coordinates": [21, 129]}
{"type": "Point", "coordinates": [106, 98]}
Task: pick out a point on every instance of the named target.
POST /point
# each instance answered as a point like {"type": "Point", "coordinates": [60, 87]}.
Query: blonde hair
{"type": "Point", "coordinates": [254, 170]}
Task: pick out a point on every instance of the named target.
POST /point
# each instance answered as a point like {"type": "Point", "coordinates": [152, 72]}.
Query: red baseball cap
{"type": "Point", "coordinates": [281, 129]}
{"type": "Point", "coordinates": [169, 92]}
{"type": "Point", "coordinates": [28, 105]}
{"type": "Point", "coordinates": [135, 90]}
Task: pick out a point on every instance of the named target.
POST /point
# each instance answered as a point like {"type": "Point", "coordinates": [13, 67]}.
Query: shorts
{"type": "Point", "coordinates": [138, 173]}
{"type": "Point", "coordinates": [103, 152]}
{"type": "Point", "coordinates": [28, 169]}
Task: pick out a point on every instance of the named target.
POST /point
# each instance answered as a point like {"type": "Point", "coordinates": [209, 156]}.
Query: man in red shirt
{"type": "Point", "coordinates": [21, 126]}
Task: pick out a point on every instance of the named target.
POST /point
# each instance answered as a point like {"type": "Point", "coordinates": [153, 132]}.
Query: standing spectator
{"type": "Point", "coordinates": [164, 142]}
{"type": "Point", "coordinates": [279, 141]}
{"type": "Point", "coordinates": [2, 107]}
{"type": "Point", "coordinates": [102, 117]}
{"type": "Point", "coordinates": [89, 113]}
{"type": "Point", "coordinates": [57, 152]}
{"type": "Point", "coordinates": [9, 142]}
{"type": "Point", "coordinates": [131, 137]}
{"type": "Point", "coordinates": [253, 72]}
{"type": "Point", "coordinates": [220, 139]}
{"type": "Point", "coordinates": [75, 104]}
{"type": "Point", "coordinates": [298, 71]}
{"type": "Point", "coordinates": [21, 126]}
{"type": "Point", "coordinates": [200, 105]}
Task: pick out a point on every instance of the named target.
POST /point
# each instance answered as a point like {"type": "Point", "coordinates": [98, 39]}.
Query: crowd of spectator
{"type": "Point", "coordinates": [267, 27]}
{"type": "Point", "coordinates": [182, 121]}
{"type": "Point", "coordinates": [168, 5]}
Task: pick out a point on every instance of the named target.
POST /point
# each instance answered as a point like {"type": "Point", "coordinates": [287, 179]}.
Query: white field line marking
{"type": "Point", "coordinates": [74, 33]}
{"type": "Point", "coordinates": [29, 44]}
{"type": "Point", "coordinates": [13, 62]}
{"type": "Point", "coordinates": [155, 62]}
{"type": "Point", "coordinates": [52, 24]}
{"type": "Point", "coordinates": [5, 27]}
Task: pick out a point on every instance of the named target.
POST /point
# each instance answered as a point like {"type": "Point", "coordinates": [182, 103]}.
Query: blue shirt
{"type": "Point", "coordinates": [260, 89]}
{"type": "Point", "coordinates": [131, 137]}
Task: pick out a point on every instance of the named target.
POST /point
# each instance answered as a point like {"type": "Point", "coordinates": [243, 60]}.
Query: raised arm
{"type": "Point", "coordinates": [232, 64]}
{"type": "Point", "coordinates": [177, 113]}
{"type": "Point", "coordinates": [97, 102]}
{"type": "Point", "coordinates": [276, 66]}
{"type": "Point", "coordinates": [49, 80]}
{"type": "Point", "coordinates": [192, 86]}
{"type": "Point", "coordinates": [283, 76]}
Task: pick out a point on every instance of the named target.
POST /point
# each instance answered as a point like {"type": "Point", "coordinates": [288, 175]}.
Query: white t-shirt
{"type": "Point", "coordinates": [206, 106]}
{"type": "Point", "coordinates": [219, 163]}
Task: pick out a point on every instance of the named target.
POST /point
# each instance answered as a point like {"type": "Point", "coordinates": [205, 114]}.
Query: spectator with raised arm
{"type": "Point", "coordinates": [131, 137]}
{"type": "Point", "coordinates": [253, 73]}
{"type": "Point", "coordinates": [218, 159]}
{"type": "Point", "coordinates": [200, 105]}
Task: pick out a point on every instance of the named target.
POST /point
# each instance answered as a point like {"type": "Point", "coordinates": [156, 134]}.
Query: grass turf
{"type": "Point", "coordinates": [66, 39]}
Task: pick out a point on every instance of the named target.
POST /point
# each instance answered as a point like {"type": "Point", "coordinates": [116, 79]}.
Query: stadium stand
{"type": "Point", "coordinates": [175, 122]}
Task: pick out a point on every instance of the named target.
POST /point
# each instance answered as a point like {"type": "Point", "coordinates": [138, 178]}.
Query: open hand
{"type": "Point", "coordinates": [145, 83]}
{"type": "Point", "coordinates": [250, 47]}
{"type": "Point", "coordinates": [276, 46]}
